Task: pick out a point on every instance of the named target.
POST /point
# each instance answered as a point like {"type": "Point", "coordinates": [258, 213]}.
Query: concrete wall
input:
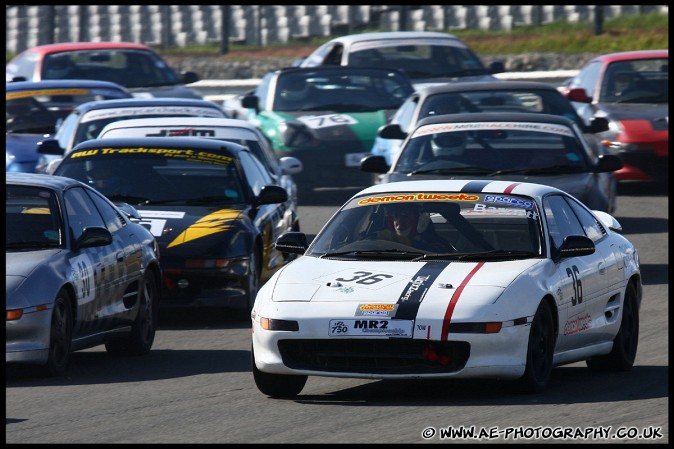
{"type": "Point", "coordinates": [181, 25]}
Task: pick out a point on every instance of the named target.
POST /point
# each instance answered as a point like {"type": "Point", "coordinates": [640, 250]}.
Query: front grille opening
{"type": "Point", "coordinates": [377, 356]}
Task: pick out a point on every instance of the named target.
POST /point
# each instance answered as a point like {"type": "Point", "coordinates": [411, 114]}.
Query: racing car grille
{"type": "Point", "coordinates": [392, 356]}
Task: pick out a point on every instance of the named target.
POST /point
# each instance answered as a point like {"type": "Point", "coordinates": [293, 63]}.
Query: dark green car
{"type": "Point", "coordinates": [327, 117]}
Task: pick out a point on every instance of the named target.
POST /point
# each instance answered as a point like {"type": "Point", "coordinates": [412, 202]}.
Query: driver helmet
{"type": "Point", "coordinates": [448, 144]}
{"type": "Point", "coordinates": [621, 82]}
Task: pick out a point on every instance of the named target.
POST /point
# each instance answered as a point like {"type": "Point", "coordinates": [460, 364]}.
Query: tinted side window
{"type": "Point", "coordinates": [255, 172]}
{"type": "Point", "coordinates": [562, 222]}
{"type": "Point", "coordinates": [113, 220]}
{"type": "Point", "coordinates": [81, 212]}
{"type": "Point", "coordinates": [593, 228]}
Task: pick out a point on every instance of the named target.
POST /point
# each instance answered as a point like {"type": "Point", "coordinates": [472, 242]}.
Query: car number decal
{"type": "Point", "coordinates": [371, 328]}
{"type": "Point", "coordinates": [83, 277]}
{"type": "Point", "coordinates": [362, 278]}
{"type": "Point", "coordinates": [327, 120]}
{"type": "Point", "coordinates": [455, 299]}
{"type": "Point", "coordinates": [416, 289]}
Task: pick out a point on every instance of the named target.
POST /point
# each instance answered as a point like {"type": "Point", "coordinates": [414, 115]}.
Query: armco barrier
{"type": "Point", "coordinates": [221, 90]}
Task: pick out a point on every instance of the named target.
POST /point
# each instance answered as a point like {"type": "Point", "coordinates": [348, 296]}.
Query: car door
{"type": "Point", "coordinates": [271, 219]}
{"type": "Point", "coordinates": [100, 273]}
{"type": "Point", "coordinates": [582, 281]}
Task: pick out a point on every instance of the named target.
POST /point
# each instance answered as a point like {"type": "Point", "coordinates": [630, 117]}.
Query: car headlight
{"type": "Point", "coordinates": [296, 134]}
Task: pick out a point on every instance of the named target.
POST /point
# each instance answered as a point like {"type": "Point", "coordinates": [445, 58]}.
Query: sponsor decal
{"type": "Point", "coordinates": [370, 328]}
{"type": "Point", "coordinates": [509, 200]}
{"type": "Point", "coordinates": [130, 112]}
{"type": "Point", "coordinates": [418, 197]}
{"type": "Point", "coordinates": [45, 92]}
{"type": "Point", "coordinates": [578, 324]}
{"type": "Point", "coordinates": [484, 209]}
{"type": "Point", "coordinates": [185, 132]}
{"type": "Point", "coordinates": [376, 310]}
{"type": "Point", "coordinates": [521, 126]}
{"type": "Point", "coordinates": [416, 289]}
{"type": "Point", "coordinates": [345, 289]}
{"type": "Point", "coordinates": [178, 153]}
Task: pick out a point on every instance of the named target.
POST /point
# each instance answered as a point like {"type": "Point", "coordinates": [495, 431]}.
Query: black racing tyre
{"type": "Point", "coordinates": [280, 386]}
{"type": "Point", "coordinates": [139, 341]}
{"type": "Point", "coordinates": [539, 351]}
{"type": "Point", "coordinates": [60, 335]}
{"type": "Point", "coordinates": [624, 351]}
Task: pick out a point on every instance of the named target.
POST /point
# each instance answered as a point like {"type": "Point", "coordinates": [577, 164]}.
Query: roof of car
{"type": "Point", "coordinates": [461, 185]}
{"type": "Point", "coordinates": [483, 86]}
{"type": "Point", "coordinates": [71, 46]}
{"type": "Point", "coordinates": [40, 180]}
{"type": "Point", "coordinates": [131, 102]}
{"type": "Point", "coordinates": [332, 68]}
{"type": "Point", "coordinates": [159, 142]}
{"type": "Point", "coordinates": [630, 55]}
{"type": "Point", "coordinates": [496, 117]}
{"type": "Point", "coordinates": [350, 38]}
{"type": "Point", "coordinates": [50, 84]}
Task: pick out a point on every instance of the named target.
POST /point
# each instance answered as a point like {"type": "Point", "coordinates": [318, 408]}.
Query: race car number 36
{"type": "Point", "coordinates": [371, 328]}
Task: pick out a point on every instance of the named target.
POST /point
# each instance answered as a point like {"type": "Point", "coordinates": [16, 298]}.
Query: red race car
{"type": "Point", "coordinates": [135, 66]}
{"type": "Point", "coordinates": [630, 89]}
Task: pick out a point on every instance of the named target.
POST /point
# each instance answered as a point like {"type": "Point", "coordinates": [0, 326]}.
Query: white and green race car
{"type": "Point", "coordinates": [327, 117]}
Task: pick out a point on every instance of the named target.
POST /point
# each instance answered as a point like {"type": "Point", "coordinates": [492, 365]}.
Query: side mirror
{"type": "Point", "coordinates": [608, 163]}
{"type": "Point", "coordinates": [576, 94]}
{"type": "Point", "coordinates": [292, 242]}
{"type": "Point", "coordinates": [574, 246]}
{"type": "Point", "coordinates": [251, 102]}
{"type": "Point", "coordinates": [391, 131]}
{"type": "Point", "coordinates": [290, 165]}
{"type": "Point", "coordinates": [496, 67]}
{"type": "Point", "coordinates": [272, 195]}
{"type": "Point", "coordinates": [598, 125]}
{"type": "Point", "coordinates": [189, 77]}
{"type": "Point", "coordinates": [94, 236]}
{"type": "Point", "coordinates": [50, 146]}
{"type": "Point", "coordinates": [374, 164]}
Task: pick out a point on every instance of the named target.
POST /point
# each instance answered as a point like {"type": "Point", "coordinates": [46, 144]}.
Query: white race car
{"type": "Point", "coordinates": [450, 279]}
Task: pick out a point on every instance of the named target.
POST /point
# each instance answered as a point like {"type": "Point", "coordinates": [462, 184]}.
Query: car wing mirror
{"type": "Point", "coordinates": [574, 246]}
{"type": "Point", "coordinates": [292, 242]}
{"type": "Point", "coordinates": [598, 125]}
{"type": "Point", "coordinates": [251, 102]}
{"type": "Point", "coordinates": [391, 131]}
{"type": "Point", "coordinates": [272, 195]}
{"type": "Point", "coordinates": [189, 77]}
{"type": "Point", "coordinates": [577, 94]}
{"type": "Point", "coordinates": [290, 165]}
{"type": "Point", "coordinates": [496, 67]}
{"type": "Point", "coordinates": [608, 163]}
{"type": "Point", "coordinates": [50, 146]}
{"type": "Point", "coordinates": [374, 164]}
{"type": "Point", "coordinates": [94, 236]}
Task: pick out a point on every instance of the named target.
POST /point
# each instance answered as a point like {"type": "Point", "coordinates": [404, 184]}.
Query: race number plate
{"type": "Point", "coordinates": [371, 328]}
